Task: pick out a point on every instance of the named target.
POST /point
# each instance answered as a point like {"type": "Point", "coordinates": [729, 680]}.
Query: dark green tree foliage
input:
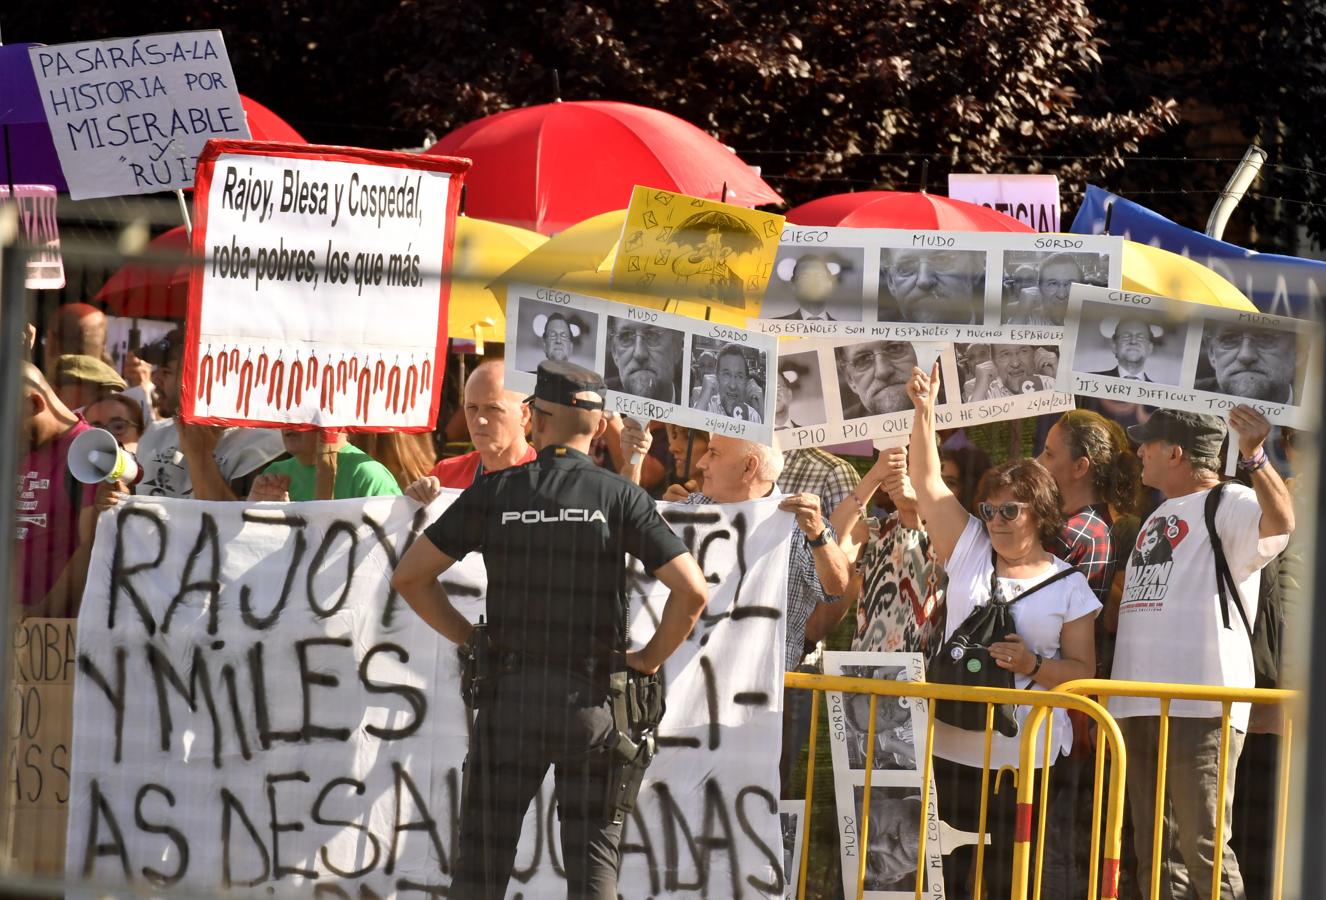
{"type": "Point", "coordinates": [824, 95]}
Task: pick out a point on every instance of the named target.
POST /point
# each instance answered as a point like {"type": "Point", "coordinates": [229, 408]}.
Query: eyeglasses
{"type": "Point", "coordinates": [535, 409]}
{"type": "Point", "coordinates": [116, 426]}
{"type": "Point", "coordinates": [1231, 341]}
{"type": "Point", "coordinates": [862, 361]}
{"type": "Point", "coordinates": [625, 338]}
{"type": "Point", "coordinates": [938, 264]}
{"type": "Point", "coordinates": [1010, 510]}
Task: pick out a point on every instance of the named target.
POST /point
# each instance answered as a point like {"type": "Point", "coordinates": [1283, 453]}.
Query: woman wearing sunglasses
{"type": "Point", "coordinates": [1001, 551]}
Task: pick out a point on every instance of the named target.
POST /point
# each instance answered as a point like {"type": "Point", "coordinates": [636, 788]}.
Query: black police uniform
{"type": "Point", "coordinates": [554, 534]}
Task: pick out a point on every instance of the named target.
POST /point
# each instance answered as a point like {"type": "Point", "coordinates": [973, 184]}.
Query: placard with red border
{"type": "Point", "coordinates": [317, 297]}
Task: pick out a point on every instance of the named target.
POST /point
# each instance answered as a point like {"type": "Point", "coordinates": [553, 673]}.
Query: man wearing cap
{"type": "Point", "coordinates": [196, 461]}
{"type": "Point", "coordinates": [554, 535]}
{"type": "Point", "coordinates": [1133, 340]}
{"type": "Point", "coordinates": [1173, 628]}
{"type": "Point", "coordinates": [82, 380]}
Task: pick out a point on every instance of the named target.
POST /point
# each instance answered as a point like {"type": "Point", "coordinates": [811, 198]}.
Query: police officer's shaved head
{"type": "Point", "coordinates": [567, 405]}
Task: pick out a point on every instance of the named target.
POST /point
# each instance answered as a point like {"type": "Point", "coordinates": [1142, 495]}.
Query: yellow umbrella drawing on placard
{"type": "Point", "coordinates": [1151, 270]}
{"type": "Point", "coordinates": [483, 250]}
{"type": "Point", "coordinates": [581, 258]}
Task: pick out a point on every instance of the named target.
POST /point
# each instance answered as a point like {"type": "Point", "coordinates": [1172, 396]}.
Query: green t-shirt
{"type": "Point", "coordinates": [357, 475]}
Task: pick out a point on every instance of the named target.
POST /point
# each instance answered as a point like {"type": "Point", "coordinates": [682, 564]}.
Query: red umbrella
{"type": "Point", "coordinates": [900, 209]}
{"type": "Point", "coordinates": [154, 287]}
{"type": "Point", "coordinates": [548, 167]}
{"type": "Point", "coordinates": [265, 125]}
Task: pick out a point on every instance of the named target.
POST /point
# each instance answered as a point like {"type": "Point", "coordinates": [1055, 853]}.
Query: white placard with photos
{"type": "Point", "coordinates": [830, 391]}
{"type": "Point", "coordinates": [1173, 354]}
{"type": "Point", "coordinates": [964, 286]}
{"type": "Point", "coordinates": [657, 365]}
{"type": "Point", "coordinates": [792, 821]}
{"type": "Point", "coordinates": [893, 839]}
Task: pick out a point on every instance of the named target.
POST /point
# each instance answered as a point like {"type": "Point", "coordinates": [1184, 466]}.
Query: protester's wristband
{"type": "Point", "coordinates": [1039, 661]}
{"type": "Point", "coordinates": [1252, 463]}
{"type": "Point", "coordinates": [819, 541]}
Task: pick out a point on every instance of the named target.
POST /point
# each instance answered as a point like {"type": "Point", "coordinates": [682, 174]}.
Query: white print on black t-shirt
{"type": "Point", "coordinates": [1153, 558]}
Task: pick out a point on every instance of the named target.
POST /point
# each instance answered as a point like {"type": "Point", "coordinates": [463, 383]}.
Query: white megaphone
{"type": "Point", "coordinates": [96, 456]}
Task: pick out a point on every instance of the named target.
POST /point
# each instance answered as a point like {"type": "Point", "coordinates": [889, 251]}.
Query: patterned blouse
{"type": "Point", "coordinates": [898, 608]}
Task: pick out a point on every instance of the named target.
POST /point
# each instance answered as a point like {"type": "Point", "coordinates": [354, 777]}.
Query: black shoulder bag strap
{"type": "Point", "coordinates": [1225, 586]}
{"type": "Point", "coordinates": [994, 592]}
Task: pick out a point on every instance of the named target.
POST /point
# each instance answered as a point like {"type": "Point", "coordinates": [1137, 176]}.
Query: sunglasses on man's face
{"type": "Point", "coordinates": [1010, 510]}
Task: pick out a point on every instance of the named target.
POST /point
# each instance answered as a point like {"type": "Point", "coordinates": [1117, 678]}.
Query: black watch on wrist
{"type": "Point", "coordinates": [821, 540]}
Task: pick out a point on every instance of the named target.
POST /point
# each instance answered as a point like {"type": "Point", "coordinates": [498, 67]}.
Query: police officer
{"type": "Point", "coordinates": [554, 534]}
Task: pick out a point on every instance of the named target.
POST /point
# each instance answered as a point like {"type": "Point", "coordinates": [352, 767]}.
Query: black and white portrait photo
{"type": "Point", "coordinates": [791, 820]}
{"type": "Point", "coordinates": [728, 379]}
{"type": "Point", "coordinates": [895, 748]}
{"type": "Point", "coordinates": [893, 841]}
{"type": "Point", "coordinates": [872, 377]}
{"type": "Point", "coordinates": [1136, 344]}
{"type": "Point", "coordinates": [800, 399]}
{"type": "Point", "coordinates": [1036, 283]}
{"type": "Point", "coordinates": [997, 371]}
{"type": "Point", "coordinates": [932, 286]}
{"type": "Point", "coordinates": [1255, 363]}
{"type": "Point", "coordinates": [644, 360]}
{"type": "Point", "coordinates": [816, 284]}
{"type": "Point", "coordinates": [552, 331]}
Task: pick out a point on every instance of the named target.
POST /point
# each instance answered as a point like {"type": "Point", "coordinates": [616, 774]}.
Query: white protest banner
{"type": "Point", "coordinates": [657, 365]}
{"type": "Point", "coordinates": [131, 116]}
{"type": "Point", "coordinates": [892, 853]}
{"type": "Point", "coordinates": [1172, 354]}
{"type": "Point", "coordinates": [41, 232]}
{"type": "Point", "coordinates": [929, 285]}
{"type": "Point", "coordinates": [256, 708]}
{"type": "Point", "coordinates": [1033, 199]}
{"type": "Point", "coordinates": [317, 297]}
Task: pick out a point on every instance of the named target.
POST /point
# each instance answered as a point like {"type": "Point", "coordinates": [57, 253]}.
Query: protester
{"type": "Point", "coordinates": [195, 461]}
{"type": "Point", "coordinates": [52, 560]}
{"type": "Point", "coordinates": [1020, 508]}
{"type": "Point", "coordinates": [120, 415]}
{"type": "Point", "coordinates": [497, 420]}
{"type": "Point", "coordinates": [736, 471]}
{"type": "Point", "coordinates": [322, 466]}
{"type": "Point", "coordinates": [1094, 467]}
{"type": "Point", "coordinates": [962, 468]}
{"type": "Point", "coordinates": [73, 328]}
{"type": "Point", "coordinates": [1174, 629]}
{"type": "Point", "coordinates": [83, 380]}
{"type": "Point", "coordinates": [408, 456]}
{"type": "Point", "coordinates": [687, 446]}
{"type": "Point", "coordinates": [811, 470]}
{"type": "Point", "coordinates": [899, 586]}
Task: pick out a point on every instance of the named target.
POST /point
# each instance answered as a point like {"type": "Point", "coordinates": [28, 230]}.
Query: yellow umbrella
{"type": "Point", "coordinates": [1151, 270]}
{"type": "Point", "coordinates": [483, 250]}
{"type": "Point", "coordinates": [581, 258]}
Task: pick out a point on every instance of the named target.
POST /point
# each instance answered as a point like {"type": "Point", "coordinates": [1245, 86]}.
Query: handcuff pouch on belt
{"type": "Point", "coordinates": [637, 709]}
{"type": "Point", "coordinates": [476, 668]}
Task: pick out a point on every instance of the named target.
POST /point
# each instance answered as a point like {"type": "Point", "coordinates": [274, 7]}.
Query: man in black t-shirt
{"type": "Point", "coordinates": [554, 535]}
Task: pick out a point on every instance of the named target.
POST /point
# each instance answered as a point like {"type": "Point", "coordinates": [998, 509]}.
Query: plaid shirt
{"type": "Point", "coordinates": [804, 592]}
{"type": "Point", "coordinates": [1086, 541]}
{"type": "Point", "coordinates": [812, 471]}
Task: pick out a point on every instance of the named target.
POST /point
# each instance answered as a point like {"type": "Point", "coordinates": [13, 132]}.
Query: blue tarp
{"type": "Point", "coordinates": [1283, 285]}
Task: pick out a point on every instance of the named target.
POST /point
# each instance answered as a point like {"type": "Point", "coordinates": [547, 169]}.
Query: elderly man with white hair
{"type": "Point", "coordinates": [817, 571]}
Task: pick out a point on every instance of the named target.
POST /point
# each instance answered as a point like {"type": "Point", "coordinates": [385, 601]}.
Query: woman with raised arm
{"type": "Point", "coordinates": [999, 554]}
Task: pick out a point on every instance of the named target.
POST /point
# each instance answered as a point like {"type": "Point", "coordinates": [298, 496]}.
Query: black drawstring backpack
{"type": "Point", "coordinates": [965, 659]}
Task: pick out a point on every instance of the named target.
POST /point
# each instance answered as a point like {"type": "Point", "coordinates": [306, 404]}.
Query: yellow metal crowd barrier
{"type": "Point", "coordinates": [1041, 702]}
{"type": "Point", "coordinates": [1104, 689]}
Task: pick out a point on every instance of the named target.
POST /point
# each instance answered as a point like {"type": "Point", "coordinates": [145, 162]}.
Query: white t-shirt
{"type": "Point", "coordinates": [1039, 619]}
{"type": "Point", "coordinates": [238, 452]}
{"type": "Point", "coordinates": [1170, 625]}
